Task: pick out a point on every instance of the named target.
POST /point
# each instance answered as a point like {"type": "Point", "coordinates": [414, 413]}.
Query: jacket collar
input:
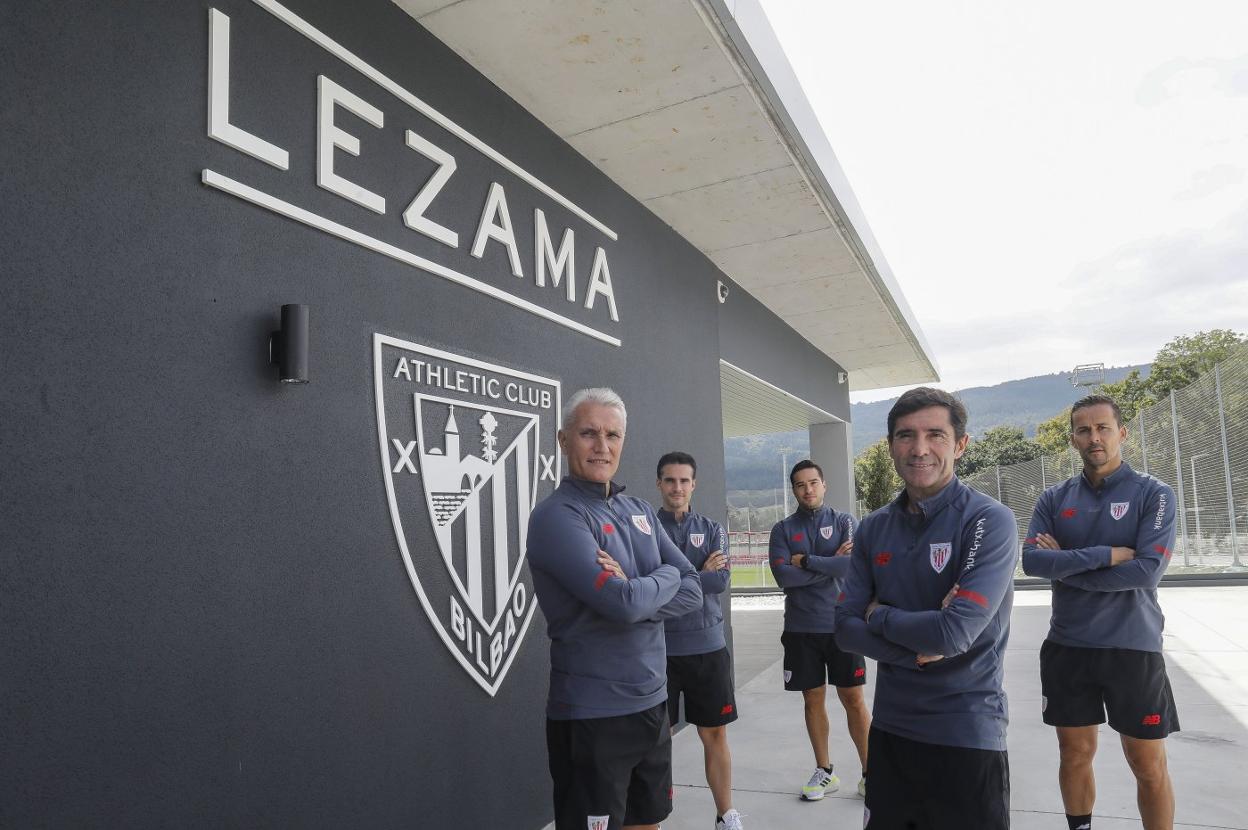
{"type": "Point", "coordinates": [931, 506]}
{"type": "Point", "coordinates": [592, 489]}
{"type": "Point", "coordinates": [1124, 471]}
{"type": "Point", "coordinates": [670, 517]}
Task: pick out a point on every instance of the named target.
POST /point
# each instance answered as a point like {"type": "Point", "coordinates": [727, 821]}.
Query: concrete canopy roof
{"type": "Point", "coordinates": [692, 107]}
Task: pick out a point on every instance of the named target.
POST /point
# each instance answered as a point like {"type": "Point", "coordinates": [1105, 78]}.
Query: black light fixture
{"type": "Point", "coordinates": [288, 347]}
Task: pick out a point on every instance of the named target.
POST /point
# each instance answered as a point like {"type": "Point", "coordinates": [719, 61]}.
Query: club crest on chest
{"type": "Point", "coordinates": [826, 532]}
{"type": "Point", "coordinates": [696, 539]}
{"type": "Point", "coordinates": [1119, 509]}
{"type": "Point", "coordinates": [642, 523]}
{"type": "Point", "coordinates": [940, 555]}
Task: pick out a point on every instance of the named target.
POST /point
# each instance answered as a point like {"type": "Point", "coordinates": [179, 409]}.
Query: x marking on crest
{"type": "Point", "coordinates": [405, 456]}
{"type": "Point", "coordinates": [548, 467]}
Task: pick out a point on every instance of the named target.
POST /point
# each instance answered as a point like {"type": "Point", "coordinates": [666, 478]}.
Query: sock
{"type": "Point", "coordinates": [1079, 822]}
{"type": "Point", "coordinates": [827, 769]}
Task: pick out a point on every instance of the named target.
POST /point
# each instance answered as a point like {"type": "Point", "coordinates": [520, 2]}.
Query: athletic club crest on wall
{"type": "Point", "coordinates": [468, 448]}
{"type": "Point", "coordinates": [941, 551]}
{"type": "Point", "coordinates": [1119, 509]}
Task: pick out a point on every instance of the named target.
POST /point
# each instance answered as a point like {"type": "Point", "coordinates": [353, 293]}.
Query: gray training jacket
{"type": "Point", "coordinates": [701, 631]}
{"type": "Point", "coordinates": [810, 593]}
{"type": "Point", "coordinates": [1096, 605]}
{"type": "Point", "coordinates": [607, 655]}
{"type": "Point", "coordinates": [910, 562]}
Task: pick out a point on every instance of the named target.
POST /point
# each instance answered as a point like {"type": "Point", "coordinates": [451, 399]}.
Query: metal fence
{"type": "Point", "coordinates": [1196, 440]}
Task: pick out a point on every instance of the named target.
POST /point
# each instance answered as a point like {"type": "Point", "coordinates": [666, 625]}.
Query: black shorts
{"type": "Point", "coordinates": [1080, 684]}
{"type": "Point", "coordinates": [813, 660]}
{"type": "Point", "coordinates": [920, 786]}
{"type": "Point", "coordinates": [705, 680]}
{"type": "Point", "coordinates": [615, 770]}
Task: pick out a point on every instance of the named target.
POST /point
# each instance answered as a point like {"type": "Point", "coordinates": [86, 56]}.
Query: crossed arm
{"type": "Point", "coordinates": [927, 635]}
{"type": "Point", "coordinates": [571, 556]}
{"type": "Point", "coordinates": [1104, 567]}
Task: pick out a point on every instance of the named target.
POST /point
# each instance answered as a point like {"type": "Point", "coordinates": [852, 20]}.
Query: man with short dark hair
{"type": "Point", "coordinates": [1104, 538]}
{"type": "Point", "coordinates": [606, 577]}
{"type": "Point", "coordinates": [699, 667]}
{"type": "Point", "coordinates": [928, 596]}
{"type": "Point", "coordinates": [809, 555]}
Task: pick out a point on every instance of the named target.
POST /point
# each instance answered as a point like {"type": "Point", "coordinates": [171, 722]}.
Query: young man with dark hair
{"type": "Point", "coordinates": [606, 577]}
{"type": "Point", "coordinates": [809, 554]}
{"type": "Point", "coordinates": [1104, 539]}
{"type": "Point", "coordinates": [699, 667]}
{"type": "Point", "coordinates": [928, 596]}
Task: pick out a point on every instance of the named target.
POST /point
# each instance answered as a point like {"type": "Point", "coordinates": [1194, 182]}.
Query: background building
{"type": "Point", "coordinates": [231, 601]}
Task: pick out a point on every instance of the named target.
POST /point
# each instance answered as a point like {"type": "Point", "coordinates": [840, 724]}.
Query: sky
{"type": "Point", "coordinates": [1051, 183]}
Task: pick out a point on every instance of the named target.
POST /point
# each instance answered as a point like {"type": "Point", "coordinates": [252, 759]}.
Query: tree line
{"type": "Point", "coordinates": [1176, 365]}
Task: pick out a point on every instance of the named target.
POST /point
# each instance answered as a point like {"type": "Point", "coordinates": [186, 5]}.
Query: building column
{"type": "Point", "coordinates": [831, 447]}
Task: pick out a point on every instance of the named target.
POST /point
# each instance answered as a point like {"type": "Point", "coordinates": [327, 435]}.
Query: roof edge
{"type": "Point", "coordinates": [746, 35]}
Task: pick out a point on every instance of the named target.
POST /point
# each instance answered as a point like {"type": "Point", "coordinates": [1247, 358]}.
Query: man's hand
{"type": "Point", "coordinates": [1119, 555]}
{"type": "Point", "coordinates": [715, 562]}
{"type": "Point", "coordinates": [610, 565]}
{"type": "Point", "coordinates": [798, 560]}
{"type": "Point", "coordinates": [845, 549]}
{"type": "Point", "coordinates": [924, 659]}
{"type": "Point", "coordinates": [953, 592]}
{"type": "Point", "coordinates": [1044, 540]}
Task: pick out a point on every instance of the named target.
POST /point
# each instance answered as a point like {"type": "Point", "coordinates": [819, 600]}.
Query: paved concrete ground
{"type": "Point", "coordinates": [1207, 655]}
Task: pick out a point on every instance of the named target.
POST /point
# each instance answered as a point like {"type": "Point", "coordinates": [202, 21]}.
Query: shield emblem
{"type": "Point", "coordinates": [696, 539]}
{"type": "Point", "coordinates": [940, 554]}
{"type": "Point", "coordinates": [468, 448]}
{"type": "Point", "coordinates": [642, 523]}
{"type": "Point", "coordinates": [826, 532]}
{"type": "Point", "coordinates": [1118, 509]}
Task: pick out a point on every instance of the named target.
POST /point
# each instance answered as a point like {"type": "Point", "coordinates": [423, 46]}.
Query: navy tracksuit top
{"type": "Point", "coordinates": [607, 655]}
{"type": "Point", "coordinates": [910, 562]}
{"type": "Point", "coordinates": [1096, 605]}
{"type": "Point", "coordinates": [701, 631]}
{"type": "Point", "coordinates": [810, 593]}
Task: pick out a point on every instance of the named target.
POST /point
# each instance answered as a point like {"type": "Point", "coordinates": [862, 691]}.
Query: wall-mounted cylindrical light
{"type": "Point", "coordinates": [288, 347]}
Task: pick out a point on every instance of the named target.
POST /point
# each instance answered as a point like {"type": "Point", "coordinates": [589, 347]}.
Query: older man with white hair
{"type": "Point", "coordinates": [606, 576]}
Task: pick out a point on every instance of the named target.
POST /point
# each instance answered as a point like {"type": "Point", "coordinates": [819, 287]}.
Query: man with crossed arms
{"type": "Point", "coordinates": [929, 594]}
{"type": "Point", "coordinates": [1104, 537]}
{"type": "Point", "coordinates": [699, 667]}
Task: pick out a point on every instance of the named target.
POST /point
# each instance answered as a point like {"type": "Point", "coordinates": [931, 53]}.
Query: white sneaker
{"type": "Point", "coordinates": [862, 786]}
{"type": "Point", "coordinates": [730, 820]}
{"type": "Point", "coordinates": [820, 784]}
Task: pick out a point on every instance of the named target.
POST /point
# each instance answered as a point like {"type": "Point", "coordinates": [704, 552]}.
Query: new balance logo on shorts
{"type": "Point", "coordinates": [727, 710]}
{"type": "Point", "coordinates": [860, 672]}
{"type": "Point", "coordinates": [1151, 720]}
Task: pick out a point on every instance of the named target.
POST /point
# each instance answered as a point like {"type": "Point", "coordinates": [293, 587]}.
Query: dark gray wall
{"type": "Point", "coordinates": [207, 621]}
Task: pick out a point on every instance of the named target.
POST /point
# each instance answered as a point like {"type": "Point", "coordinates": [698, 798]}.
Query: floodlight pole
{"type": "Point", "coordinates": [1226, 469]}
{"type": "Point", "coordinates": [1178, 474]}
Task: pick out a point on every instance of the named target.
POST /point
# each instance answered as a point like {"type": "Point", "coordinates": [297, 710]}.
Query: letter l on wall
{"type": "Point", "coordinates": [219, 126]}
